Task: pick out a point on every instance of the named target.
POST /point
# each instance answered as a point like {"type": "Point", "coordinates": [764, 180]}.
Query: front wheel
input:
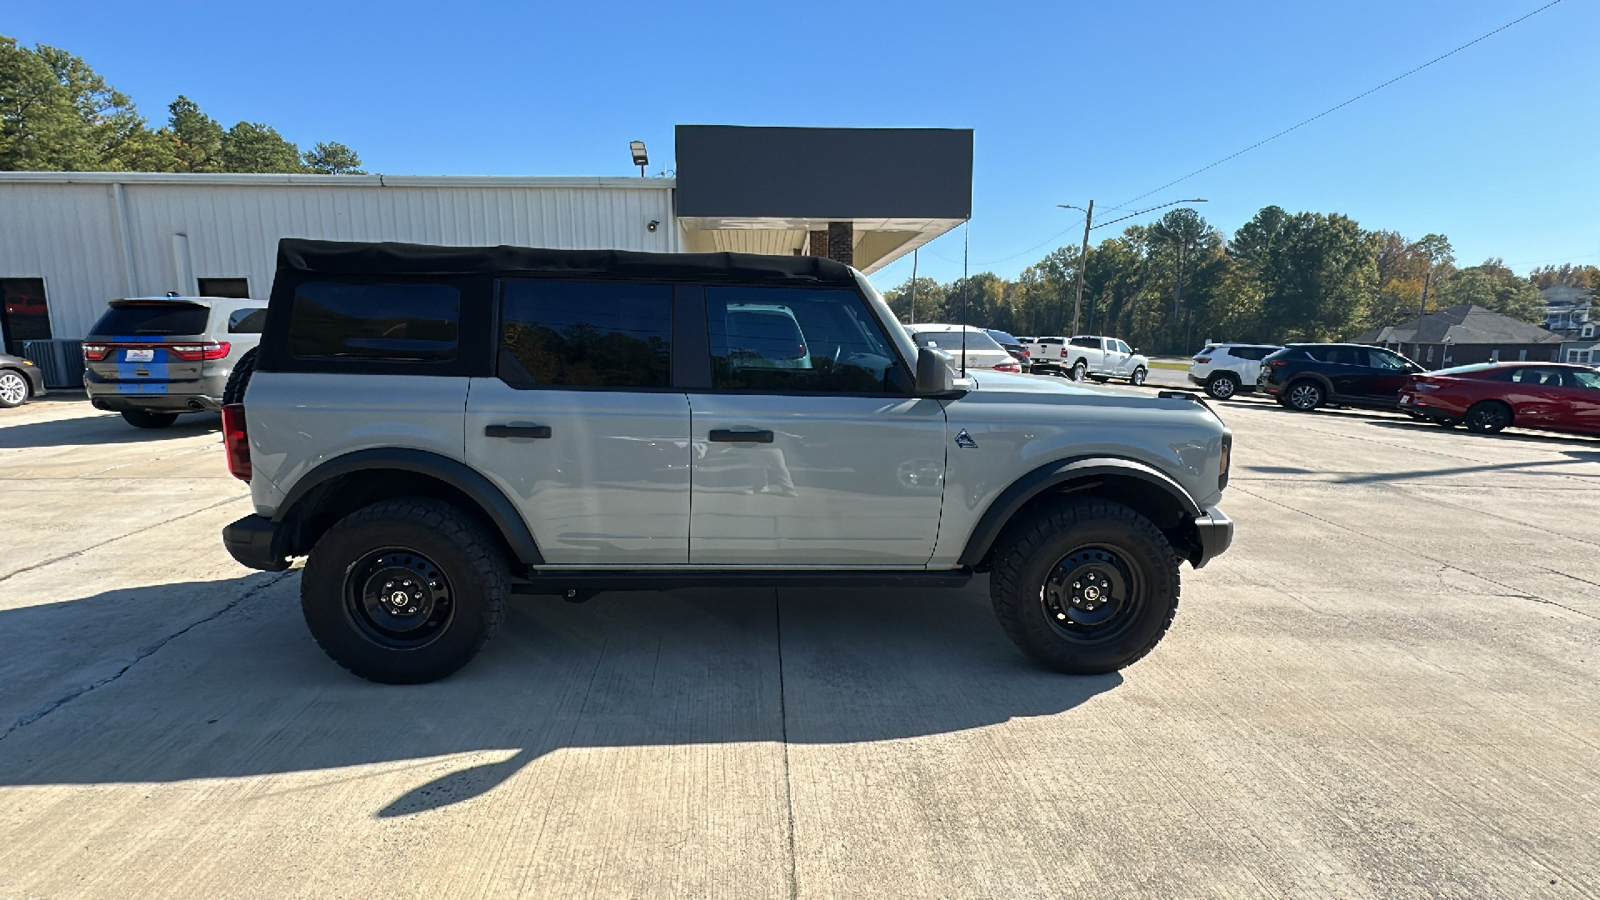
{"type": "Point", "coordinates": [1137, 378]}
{"type": "Point", "coordinates": [404, 591]}
{"type": "Point", "coordinates": [143, 418]}
{"type": "Point", "coordinates": [1488, 417]}
{"type": "Point", "coordinates": [1086, 586]}
{"type": "Point", "coordinates": [13, 390]}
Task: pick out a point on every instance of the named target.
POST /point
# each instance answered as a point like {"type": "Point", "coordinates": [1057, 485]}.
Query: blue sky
{"type": "Point", "coordinates": [1497, 147]}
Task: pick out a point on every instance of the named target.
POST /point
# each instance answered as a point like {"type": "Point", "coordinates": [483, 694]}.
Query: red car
{"type": "Point", "coordinates": [1490, 396]}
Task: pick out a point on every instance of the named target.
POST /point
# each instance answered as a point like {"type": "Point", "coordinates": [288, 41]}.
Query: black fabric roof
{"type": "Point", "coordinates": [353, 258]}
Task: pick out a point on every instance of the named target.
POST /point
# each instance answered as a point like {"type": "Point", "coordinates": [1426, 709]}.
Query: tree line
{"type": "Point", "coordinates": [58, 115]}
{"type": "Point", "coordinates": [1281, 277]}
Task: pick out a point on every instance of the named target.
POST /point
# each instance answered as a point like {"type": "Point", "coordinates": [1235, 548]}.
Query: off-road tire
{"type": "Point", "coordinates": [1222, 385]}
{"type": "Point", "coordinates": [1488, 417]}
{"type": "Point", "coordinates": [1029, 553]}
{"type": "Point", "coordinates": [1304, 395]}
{"type": "Point", "coordinates": [239, 378]}
{"type": "Point", "coordinates": [143, 418]}
{"type": "Point", "coordinates": [472, 566]}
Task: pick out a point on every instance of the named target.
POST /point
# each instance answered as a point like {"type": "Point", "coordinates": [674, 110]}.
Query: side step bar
{"type": "Point", "coordinates": [572, 583]}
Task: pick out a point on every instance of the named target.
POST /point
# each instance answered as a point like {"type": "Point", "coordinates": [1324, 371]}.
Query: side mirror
{"type": "Point", "coordinates": [934, 373]}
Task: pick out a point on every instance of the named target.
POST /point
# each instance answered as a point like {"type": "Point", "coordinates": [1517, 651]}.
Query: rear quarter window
{"type": "Point", "coordinates": [381, 322]}
{"type": "Point", "coordinates": [246, 321]}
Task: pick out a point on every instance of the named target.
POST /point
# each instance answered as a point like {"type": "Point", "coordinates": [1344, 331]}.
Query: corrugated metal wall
{"type": "Point", "coordinates": [69, 233]}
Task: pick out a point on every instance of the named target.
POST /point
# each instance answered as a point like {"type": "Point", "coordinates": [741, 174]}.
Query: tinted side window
{"type": "Point", "coordinates": [1385, 360]}
{"type": "Point", "coordinates": [1085, 342]}
{"type": "Point", "coordinates": [797, 339]}
{"type": "Point", "coordinates": [585, 334]}
{"type": "Point", "coordinates": [391, 322]}
{"type": "Point", "coordinates": [246, 321]}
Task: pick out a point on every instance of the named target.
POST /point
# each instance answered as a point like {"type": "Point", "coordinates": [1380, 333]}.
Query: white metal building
{"type": "Point", "coordinates": [89, 237]}
{"type": "Point", "coordinates": [71, 241]}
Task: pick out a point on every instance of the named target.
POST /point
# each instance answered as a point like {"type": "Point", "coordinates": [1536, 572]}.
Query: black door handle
{"type": "Point", "coordinates": [517, 431]}
{"type": "Point", "coordinates": [729, 436]}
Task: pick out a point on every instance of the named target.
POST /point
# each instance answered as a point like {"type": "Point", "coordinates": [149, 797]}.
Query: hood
{"type": "Point", "coordinates": [999, 387]}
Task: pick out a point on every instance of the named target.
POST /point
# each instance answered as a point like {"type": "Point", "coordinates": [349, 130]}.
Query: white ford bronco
{"type": "Point", "coordinates": [438, 428]}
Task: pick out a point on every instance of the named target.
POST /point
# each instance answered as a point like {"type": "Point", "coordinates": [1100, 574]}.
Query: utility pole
{"type": "Point", "coordinates": [1423, 310]}
{"type": "Point", "coordinates": [913, 312]}
{"type": "Point", "coordinates": [1083, 260]}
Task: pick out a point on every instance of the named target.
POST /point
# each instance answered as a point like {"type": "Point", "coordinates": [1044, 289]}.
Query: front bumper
{"type": "Point", "coordinates": [257, 543]}
{"type": "Point", "coordinates": [35, 377]}
{"type": "Point", "coordinates": [1215, 531]}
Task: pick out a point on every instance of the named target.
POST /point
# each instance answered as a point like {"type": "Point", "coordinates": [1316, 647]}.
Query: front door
{"type": "Point", "coordinates": [808, 449]}
{"type": "Point", "coordinates": [1386, 375]}
{"type": "Point", "coordinates": [580, 425]}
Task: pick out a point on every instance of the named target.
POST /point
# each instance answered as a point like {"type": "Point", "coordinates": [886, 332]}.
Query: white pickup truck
{"type": "Point", "coordinates": [1103, 358]}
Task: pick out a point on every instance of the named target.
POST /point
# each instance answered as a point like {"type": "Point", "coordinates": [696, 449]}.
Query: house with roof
{"type": "Point", "coordinates": [1569, 311]}
{"type": "Point", "coordinates": [1466, 334]}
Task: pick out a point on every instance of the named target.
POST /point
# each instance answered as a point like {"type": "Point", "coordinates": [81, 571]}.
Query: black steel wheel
{"type": "Point", "coordinates": [1488, 417]}
{"type": "Point", "coordinates": [1085, 586]}
{"type": "Point", "coordinates": [404, 591]}
{"type": "Point", "coordinates": [1222, 385]}
{"type": "Point", "coordinates": [1304, 396]}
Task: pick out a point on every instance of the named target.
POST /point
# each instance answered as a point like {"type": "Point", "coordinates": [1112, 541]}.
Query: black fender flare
{"type": "Point", "coordinates": [469, 481]}
{"type": "Point", "coordinates": [1050, 476]}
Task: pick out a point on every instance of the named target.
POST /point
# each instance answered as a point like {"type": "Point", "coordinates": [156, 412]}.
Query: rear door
{"type": "Point", "coordinates": [148, 346]}
{"type": "Point", "coordinates": [830, 463]}
{"type": "Point", "coordinates": [580, 424]}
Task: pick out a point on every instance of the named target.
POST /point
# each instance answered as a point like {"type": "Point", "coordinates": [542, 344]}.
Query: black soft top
{"type": "Point", "coordinates": [297, 255]}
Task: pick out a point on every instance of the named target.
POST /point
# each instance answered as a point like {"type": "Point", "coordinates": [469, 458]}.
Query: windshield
{"type": "Point", "coordinates": [901, 338]}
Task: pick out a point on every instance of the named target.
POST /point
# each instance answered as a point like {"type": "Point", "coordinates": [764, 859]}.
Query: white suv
{"type": "Point", "coordinates": [1226, 369]}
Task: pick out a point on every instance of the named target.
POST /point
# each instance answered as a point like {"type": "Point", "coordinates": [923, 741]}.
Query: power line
{"type": "Point", "coordinates": [1345, 103]}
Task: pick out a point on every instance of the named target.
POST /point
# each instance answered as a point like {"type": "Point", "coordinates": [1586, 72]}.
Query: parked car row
{"type": "Point", "coordinates": [1485, 397]}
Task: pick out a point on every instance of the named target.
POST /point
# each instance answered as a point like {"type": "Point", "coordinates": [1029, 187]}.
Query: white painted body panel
{"type": "Point", "coordinates": [847, 481]}
{"type": "Point", "coordinates": [1021, 423]}
{"type": "Point", "coordinates": [299, 421]}
{"type": "Point", "coordinates": [609, 487]}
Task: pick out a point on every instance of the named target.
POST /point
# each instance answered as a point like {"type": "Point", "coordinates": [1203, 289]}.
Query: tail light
{"type": "Point", "coordinates": [197, 352]}
{"type": "Point", "coordinates": [1025, 353]}
{"type": "Point", "coordinates": [1202, 359]}
{"type": "Point", "coordinates": [1063, 353]}
{"type": "Point", "coordinates": [96, 352]}
{"type": "Point", "coordinates": [236, 440]}
{"type": "Point", "coordinates": [1227, 454]}
{"type": "Point", "coordinates": [1008, 367]}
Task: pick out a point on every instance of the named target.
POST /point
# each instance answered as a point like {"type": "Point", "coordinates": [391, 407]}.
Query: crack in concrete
{"type": "Point", "coordinates": [1516, 594]}
{"type": "Point", "coordinates": [140, 655]}
{"type": "Point", "coordinates": [783, 719]}
{"type": "Point", "coordinates": [81, 551]}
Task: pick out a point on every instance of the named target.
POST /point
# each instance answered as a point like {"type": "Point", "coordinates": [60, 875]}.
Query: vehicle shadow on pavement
{"type": "Point", "coordinates": [1524, 437]}
{"type": "Point", "coordinates": [102, 429]}
{"type": "Point", "coordinates": [250, 694]}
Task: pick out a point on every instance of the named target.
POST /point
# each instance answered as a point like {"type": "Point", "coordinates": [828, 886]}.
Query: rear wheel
{"type": "Point", "coordinates": [1085, 586]}
{"type": "Point", "coordinates": [1488, 417]}
{"type": "Point", "coordinates": [1222, 385]}
{"type": "Point", "coordinates": [404, 591]}
{"type": "Point", "coordinates": [144, 418]}
{"type": "Point", "coordinates": [13, 389]}
{"type": "Point", "coordinates": [1304, 396]}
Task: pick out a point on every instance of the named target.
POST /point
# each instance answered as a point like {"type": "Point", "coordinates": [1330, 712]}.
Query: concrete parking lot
{"type": "Point", "coordinates": [1387, 689]}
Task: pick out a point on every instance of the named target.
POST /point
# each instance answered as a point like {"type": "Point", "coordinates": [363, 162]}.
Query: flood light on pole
{"type": "Point", "coordinates": [640, 157]}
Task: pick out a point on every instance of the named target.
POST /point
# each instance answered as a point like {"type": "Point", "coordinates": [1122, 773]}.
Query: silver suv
{"type": "Point", "coordinates": [153, 358]}
{"type": "Point", "coordinates": [440, 428]}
